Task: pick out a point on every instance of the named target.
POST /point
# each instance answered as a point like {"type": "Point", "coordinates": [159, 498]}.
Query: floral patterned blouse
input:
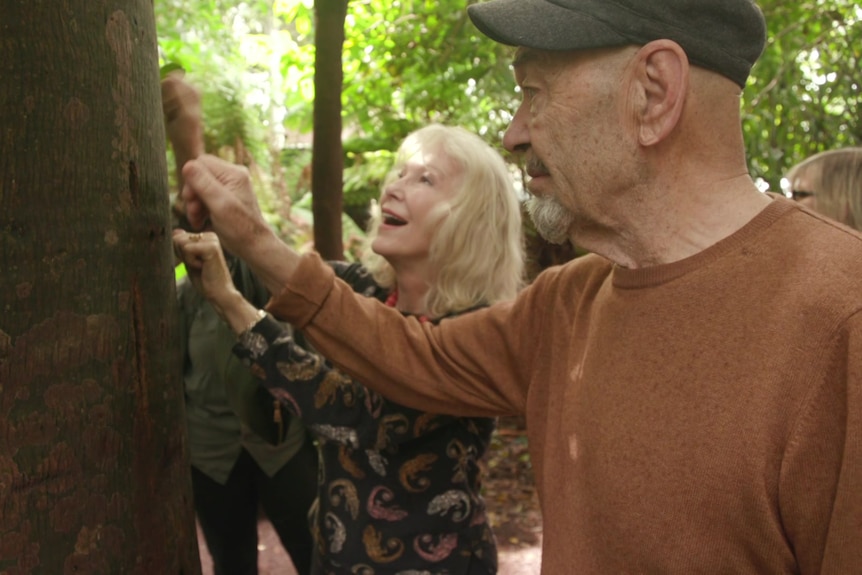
{"type": "Point", "coordinates": [398, 491]}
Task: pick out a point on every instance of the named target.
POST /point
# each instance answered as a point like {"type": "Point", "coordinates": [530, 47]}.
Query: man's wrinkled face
{"type": "Point", "coordinates": [569, 130]}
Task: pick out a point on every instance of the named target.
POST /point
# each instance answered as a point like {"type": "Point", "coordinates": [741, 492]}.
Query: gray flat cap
{"type": "Point", "coordinates": [725, 36]}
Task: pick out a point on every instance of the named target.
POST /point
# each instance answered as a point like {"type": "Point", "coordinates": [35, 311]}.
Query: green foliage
{"type": "Point", "coordinates": [410, 62]}
{"type": "Point", "coordinates": [296, 161]}
{"type": "Point", "coordinates": [364, 175]}
{"type": "Point", "coordinates": [804, 93]}
{"type": "Point", "coordinates": [405, 64]}
{"type": "Point", "coordinates": [301, 233]}
{"type": "Point", "coordinates": [168, 68]}
{"type": "Point", "coordinates": [209, 40]}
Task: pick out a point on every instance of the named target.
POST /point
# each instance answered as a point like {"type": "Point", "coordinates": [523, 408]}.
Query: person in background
{"type": "Point", "coordinates": [681, 418]}
{"type": "Point", "coordinates": [830, 183]}
{"type": "Point", "coordinates": [235, 472]}
{"type": "Point", "coordinates": [400, 490]}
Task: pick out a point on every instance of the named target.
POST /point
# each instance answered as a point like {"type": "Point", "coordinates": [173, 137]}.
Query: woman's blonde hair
{"type": "Point", "coordinates": [836, 179]}
{"type": "Point", "coordinates": [477, 251]}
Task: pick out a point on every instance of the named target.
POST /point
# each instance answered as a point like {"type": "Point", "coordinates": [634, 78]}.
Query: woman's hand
{"type": "Point", "coordinates": [207, 269]}
{"type": "Point", "coordinates": [204, 260]}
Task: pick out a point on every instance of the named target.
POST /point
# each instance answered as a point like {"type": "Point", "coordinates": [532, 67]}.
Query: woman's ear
{"type": "Point", "coordinates": [663, 76]}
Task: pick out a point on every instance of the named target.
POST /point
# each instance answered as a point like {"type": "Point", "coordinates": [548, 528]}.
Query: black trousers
{"type": "Point", "coordinates": [228, 513]}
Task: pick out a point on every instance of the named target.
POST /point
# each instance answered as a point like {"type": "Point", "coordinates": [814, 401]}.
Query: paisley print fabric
{"type": "Point", "coordinates": [399, 488]}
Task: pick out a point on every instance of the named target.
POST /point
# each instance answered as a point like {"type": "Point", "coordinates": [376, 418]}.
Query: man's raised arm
{"type": "Point", "coordinates": [221, 193]}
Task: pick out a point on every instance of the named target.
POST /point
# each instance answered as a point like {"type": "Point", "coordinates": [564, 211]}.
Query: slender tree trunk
{"type": "Point", "coordinates": [327, 164]}
{"type": "Point", "coordinates": [93, 463]}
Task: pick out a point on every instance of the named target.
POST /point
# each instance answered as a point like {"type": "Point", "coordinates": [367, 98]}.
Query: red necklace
{"type": "Point", "coordinates": [392, 300]}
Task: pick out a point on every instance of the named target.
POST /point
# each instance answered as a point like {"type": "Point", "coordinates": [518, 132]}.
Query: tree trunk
{"type": "Point", "coordinates": [94, 474]}
{"type": "Point", "coordinates": [327, 164]}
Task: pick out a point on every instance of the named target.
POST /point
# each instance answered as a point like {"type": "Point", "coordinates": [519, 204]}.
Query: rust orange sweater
{"type": "Point", "coordinates": [703, 416]}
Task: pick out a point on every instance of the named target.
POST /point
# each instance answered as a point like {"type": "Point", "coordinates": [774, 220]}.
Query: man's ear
{"type": "Point", "coordinates": [663, 75]}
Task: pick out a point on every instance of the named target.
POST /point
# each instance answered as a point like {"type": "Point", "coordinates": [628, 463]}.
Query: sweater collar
{"type": "Point", "coordinates": [656, 275]}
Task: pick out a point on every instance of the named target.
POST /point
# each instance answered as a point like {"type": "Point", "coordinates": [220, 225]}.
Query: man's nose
{"type": "Point", "coordinates": [517, 136]}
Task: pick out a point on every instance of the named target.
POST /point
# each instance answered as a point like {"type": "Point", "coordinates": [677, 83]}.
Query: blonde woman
{"type": "Point", "coordinates": [830, 183]}
{"type": "Point", "coordinates": [400, 488]}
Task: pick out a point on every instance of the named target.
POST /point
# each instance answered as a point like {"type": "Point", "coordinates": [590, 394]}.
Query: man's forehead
{"type": "Point", "coordinates": [533, 57]}
{"type": "Point", "coordinates": [556, 60]}
{"type": "Point", "coordinates": [524, 55]}
{"type": "Point", "coordinates": [527, 59]}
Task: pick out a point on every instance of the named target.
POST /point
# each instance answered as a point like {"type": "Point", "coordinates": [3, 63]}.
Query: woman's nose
{"type": "Point", "coordinates": [394, 190]}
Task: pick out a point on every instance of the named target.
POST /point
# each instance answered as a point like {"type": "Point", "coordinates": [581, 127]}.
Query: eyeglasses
{"type": "Point", "coordinates": [800, 194]}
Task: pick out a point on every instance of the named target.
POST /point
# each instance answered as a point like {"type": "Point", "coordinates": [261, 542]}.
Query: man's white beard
{"type": "Point", "coordinates": [551, 218]}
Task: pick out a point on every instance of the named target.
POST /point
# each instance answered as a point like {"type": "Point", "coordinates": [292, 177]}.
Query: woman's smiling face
{"type": "Point", "coordinates": [413, 205]}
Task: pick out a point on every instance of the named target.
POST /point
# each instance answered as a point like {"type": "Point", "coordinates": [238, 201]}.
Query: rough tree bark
{"type": "Point", "coordinates": [93, 464]}
{"type": "Point", "coordinates": [327, 164]}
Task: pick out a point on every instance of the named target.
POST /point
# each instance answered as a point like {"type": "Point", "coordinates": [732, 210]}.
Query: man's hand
{"type": "Point", "coordinates": [222, 193]}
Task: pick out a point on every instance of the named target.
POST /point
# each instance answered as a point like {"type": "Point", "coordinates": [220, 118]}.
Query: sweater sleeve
{"type": "Point", "coordinates": [471, 365]}
{"type": "Point", "coordinates": [820, 492]}
{"type": "Point", "coordinates": [327, 400]}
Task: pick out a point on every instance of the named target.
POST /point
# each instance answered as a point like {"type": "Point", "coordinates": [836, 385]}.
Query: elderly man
{"type": "Point", "coordinates": [693, 389]}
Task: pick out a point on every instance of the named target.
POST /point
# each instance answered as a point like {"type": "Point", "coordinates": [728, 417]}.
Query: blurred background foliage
{"type": "Point", "coordinates": [410, 62]}
{"type": "Point", "coordinates": [804, 93]}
